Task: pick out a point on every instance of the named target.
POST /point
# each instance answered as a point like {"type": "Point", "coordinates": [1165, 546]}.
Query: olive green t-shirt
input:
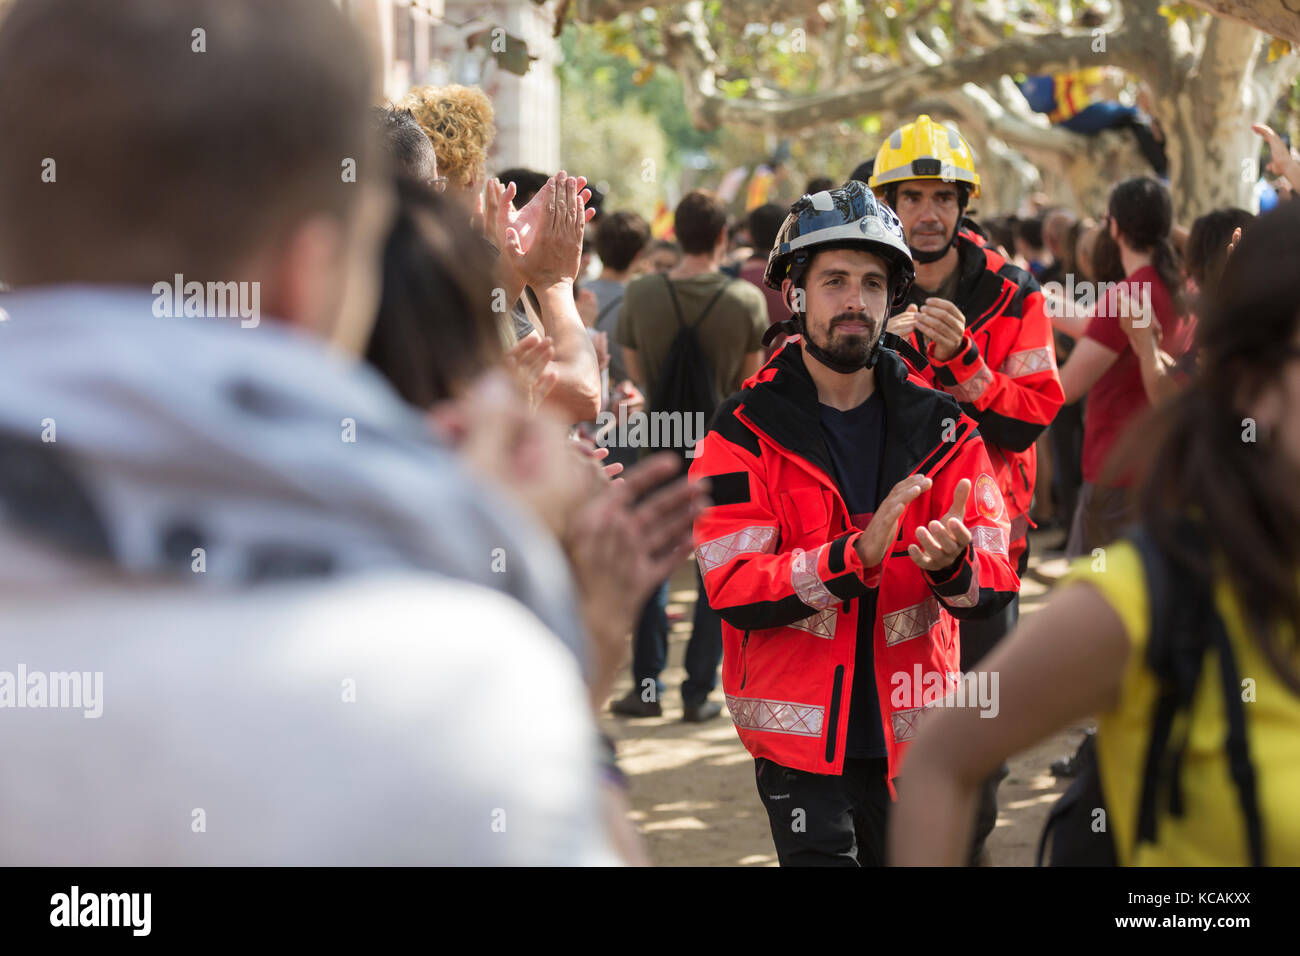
{"type": "Point", "coordinates": [732, 329]}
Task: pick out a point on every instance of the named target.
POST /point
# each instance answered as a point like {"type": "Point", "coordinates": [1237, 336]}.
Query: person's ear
{"type": "Point", "coordinates": [326, 275]}
{"type": "Point", "coordinates": [793, 296]}
{"type": "Point", "coordinates": [306, 276]}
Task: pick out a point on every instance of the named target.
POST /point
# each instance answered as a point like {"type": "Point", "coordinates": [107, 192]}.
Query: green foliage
{"type": "Point", "coordinates": [623, 150]}
{"type": "Point", "coordinates": [603, 63]}
{"type": "Point", "coordinates": [619, 106]}
{"type": "Point", "coordinates": [615, 130]}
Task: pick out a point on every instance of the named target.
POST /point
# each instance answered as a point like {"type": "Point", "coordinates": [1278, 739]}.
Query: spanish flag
{"type": "Point", "coordinates": [760, 187]}
{"type": "Point", "coordinates": [661, 223]}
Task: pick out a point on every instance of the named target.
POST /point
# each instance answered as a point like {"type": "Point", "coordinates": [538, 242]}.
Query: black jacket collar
{"type": "Point", "coordinates": [977, 287]}
{"type": "Point", "coordinates": [918, 420]}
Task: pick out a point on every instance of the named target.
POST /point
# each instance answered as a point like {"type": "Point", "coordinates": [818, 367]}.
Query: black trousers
{"type": "Point", "coordinates": [977, 639]}
{"type": "Point", "coordinates": [821, 820]}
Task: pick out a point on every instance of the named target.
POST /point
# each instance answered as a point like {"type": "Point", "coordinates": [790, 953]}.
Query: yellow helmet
{"type": "Point", "coordinates": [925, 150]}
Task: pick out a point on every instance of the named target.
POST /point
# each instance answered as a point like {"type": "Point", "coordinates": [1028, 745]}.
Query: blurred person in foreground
{"type": "Point", "coordinates": [459, 121]}
{"type": "Point", "coordinates": [1219, 510]}
{"type": "Point", "coordinates": [275, 567]}
{"type": "Point", "coordinates": [540, 296]}
{"type": "Point", "coordinates": [435, 340]}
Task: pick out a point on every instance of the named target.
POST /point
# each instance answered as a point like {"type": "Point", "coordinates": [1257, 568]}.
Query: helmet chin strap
{"type": "Point", "coordinates": [797, 325]}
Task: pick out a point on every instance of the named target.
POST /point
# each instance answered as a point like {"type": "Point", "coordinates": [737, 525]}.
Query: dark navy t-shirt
{"type": "Point", "coordinates": [856, 440]}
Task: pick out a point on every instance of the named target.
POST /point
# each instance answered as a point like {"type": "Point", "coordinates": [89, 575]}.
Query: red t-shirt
{"type": "Point", "coordinates": [1118, 398]}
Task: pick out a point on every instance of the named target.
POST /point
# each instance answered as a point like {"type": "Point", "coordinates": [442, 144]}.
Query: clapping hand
{"type": "Point", "coordinates": [941, 543]}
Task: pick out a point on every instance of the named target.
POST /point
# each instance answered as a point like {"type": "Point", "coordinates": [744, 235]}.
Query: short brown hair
{"type": "Point", "coordinates": [460, 122]}
{"type": "Point", "coordinates": [172, 150]}
{"type": "Point", "coordinates": [698, 221]}
{"type": "Point", "coordinates": [620, 237]}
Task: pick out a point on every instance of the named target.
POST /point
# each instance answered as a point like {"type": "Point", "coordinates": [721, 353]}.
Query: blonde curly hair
{"type": "Point", "coordinates": [459, 120]}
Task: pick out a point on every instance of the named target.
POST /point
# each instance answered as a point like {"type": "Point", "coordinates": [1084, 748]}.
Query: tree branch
{"type": "Point", "coordinates": [689, 52]}
{"type": "Point", "coordinates": [979, 107]}
{"type": "Point", "coordinates": [975, 26]}
{"type": "Point", "coordinates": [1279, 18]}
{"type": "Point", "coordinates": [1072, 159]}
{"type": "Point", "coordinates": [914, 50]}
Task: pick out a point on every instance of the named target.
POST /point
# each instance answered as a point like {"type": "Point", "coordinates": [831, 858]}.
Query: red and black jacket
{"type": "Point", "coordinates": [776, 551]}
{"type": "Point", "coordinates": [1005, 376]}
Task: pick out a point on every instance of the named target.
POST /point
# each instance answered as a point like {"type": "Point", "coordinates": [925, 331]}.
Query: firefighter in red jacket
{"type": "Point", "coordinates": [855, 516]}
{"type": "Point", "coordinates": [974, 326]}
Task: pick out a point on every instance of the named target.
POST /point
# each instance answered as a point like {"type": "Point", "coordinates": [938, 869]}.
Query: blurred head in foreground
{"type": "Point", "coordinates": [221, 140]}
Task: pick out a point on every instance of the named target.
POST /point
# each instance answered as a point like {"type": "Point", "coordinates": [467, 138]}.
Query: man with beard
{"type": "Point", "coordinates": [975, 327]}
{"type": "Point", "coordinates": [855, 516]}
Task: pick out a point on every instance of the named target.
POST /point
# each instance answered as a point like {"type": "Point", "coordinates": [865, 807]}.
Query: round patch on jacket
{"type": "Point", "coordinates": [988, 500]}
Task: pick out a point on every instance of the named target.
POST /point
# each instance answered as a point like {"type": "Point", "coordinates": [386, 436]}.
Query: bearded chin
{"type": "Point", "coordinates": [850, 349]}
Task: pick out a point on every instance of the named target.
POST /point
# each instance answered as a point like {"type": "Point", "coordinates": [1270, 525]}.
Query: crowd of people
{"type": "Point", "coordinates": [360, 567]}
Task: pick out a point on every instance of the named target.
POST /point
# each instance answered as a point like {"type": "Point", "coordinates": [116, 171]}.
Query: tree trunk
{"type": "Point", "coordinates": [1206, 117]}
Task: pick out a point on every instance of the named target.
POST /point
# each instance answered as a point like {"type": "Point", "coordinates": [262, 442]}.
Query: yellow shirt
{"type": "Point", "coordinates": [1212, 831]}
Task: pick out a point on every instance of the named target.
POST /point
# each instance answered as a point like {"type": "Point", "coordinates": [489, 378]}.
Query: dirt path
{"type": "Point", "coordinates": [691, 786]}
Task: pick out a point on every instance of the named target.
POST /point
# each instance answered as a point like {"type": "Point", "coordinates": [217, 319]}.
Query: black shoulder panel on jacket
{"type": "Point", "coordinates": [726, 424]}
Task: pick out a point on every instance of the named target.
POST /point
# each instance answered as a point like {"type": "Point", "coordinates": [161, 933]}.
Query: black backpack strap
{"type": "Point", "coordinates": [1243, 772]}
{"type": "Point", "coordinates": [712, 302]}
{"type": "Point", "coordinates": [677, 306]}
{"type": "Point", "coordinates": [1184, 624]}
{"type": "Point", "coordinates": [1162, 719]}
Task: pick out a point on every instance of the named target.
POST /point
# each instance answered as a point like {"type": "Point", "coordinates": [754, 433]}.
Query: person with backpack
{"type": "Point", "coordinates": [1181, 636]}
{"type": "Point", "coordinates": [690, 338]}
{"type": "Point", "coordinates": [855, 517]}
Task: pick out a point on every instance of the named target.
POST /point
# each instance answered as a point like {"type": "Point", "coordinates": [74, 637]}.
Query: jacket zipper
{"type": "Point", "coordinates": [1024, 478]}
{"type": "Point", "coordinates": [744, 660]}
